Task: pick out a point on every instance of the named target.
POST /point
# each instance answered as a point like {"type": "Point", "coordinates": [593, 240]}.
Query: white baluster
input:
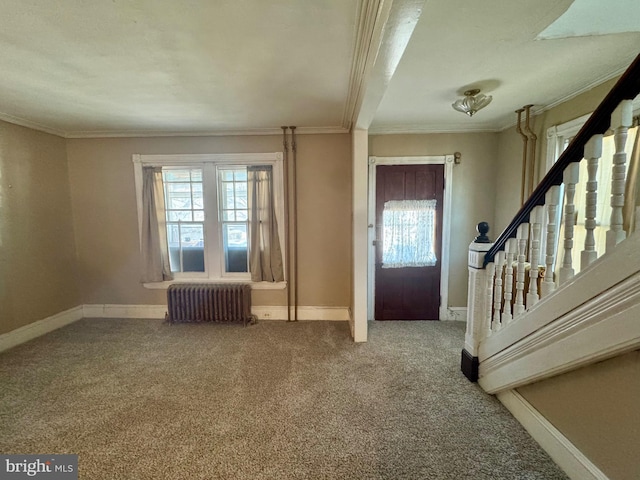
{"type": "Point", "coordinates": [552, 201]}
{"type": "Point", "coordinates": [536, 218]}
{"type": "Point", "coordinates": [570, 178]}
{"type": "Point", "coordinates": [491, 273]}
{"type": "Point", "coordinates": [592, 152]}
{"type": "Point", "coordinates": [522, 236]}
{"type": "Point", "coordinates": [511, 251]}
{"type": "Point", "coordinates": [497, 294]}
{"type": "Point", "coordinates": [620, 122]}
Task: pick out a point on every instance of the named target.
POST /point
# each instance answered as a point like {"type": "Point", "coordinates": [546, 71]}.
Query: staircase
{"type": "Point", "coordinates": [537, 309]}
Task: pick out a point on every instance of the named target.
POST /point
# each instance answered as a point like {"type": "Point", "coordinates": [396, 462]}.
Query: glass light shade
{"type": "Point", "coordinates": [472, 102]}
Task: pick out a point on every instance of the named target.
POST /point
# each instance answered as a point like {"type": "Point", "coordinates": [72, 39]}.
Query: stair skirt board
{"type": "Point", "coordinates": [552, 441]}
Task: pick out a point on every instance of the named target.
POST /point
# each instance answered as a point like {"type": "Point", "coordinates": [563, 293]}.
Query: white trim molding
{"type": "Point", "coordinates": [22, 122]}
{"type": "Point", "coordinates": [307, 313]}
{"type": "Point", "coordinates": [324, 130]}
{"type": "Point", "coordinates": [456, 314]}
{"type": "Point", "coordinates": [422, 129]}
{"type": "Point", "coordinates": [33, 330]}
{"type": "Point", "coordinates": [605, 326]}
{"type": "Point", "coordinates": [124, 311]}
{"type": "Point", "coordinates": [36, 329]}
{"type": "Point", "coordinates": [574, 463]}
{"type": "Point", "coordinates": [445, 312]}
{"type": "Point", "coordinates": [267, 312]}
{"type": "Point", "coordinates": [254, 285]}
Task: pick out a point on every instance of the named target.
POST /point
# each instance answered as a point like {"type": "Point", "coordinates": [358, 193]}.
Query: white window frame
{"type": "Point", "coordinates": [556, 136]}
{"type": "Point", "coordinates": [214, 254]}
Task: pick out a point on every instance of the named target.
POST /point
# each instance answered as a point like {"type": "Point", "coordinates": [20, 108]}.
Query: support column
{"type": "Point", "coordinates": [360, 158]}
{"type": "Point", "coordinates": [476, 303]}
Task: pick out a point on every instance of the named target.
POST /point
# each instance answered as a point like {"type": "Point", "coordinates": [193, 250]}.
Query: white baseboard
{"type": "Point", "coordinates": [262, 312]}
{"type": "Point", "coordinates": [559, 448]}
{"type": "Point", "coordinates": [28, 332]}
{"type": "Point", "coordinates": [46, 325]}
{"type": "Point", "coordinates": [304, 313]}
{"type": "Point", "coordinates": [457, 314]}
{"type": "Point", "coordinates": [124, 311]}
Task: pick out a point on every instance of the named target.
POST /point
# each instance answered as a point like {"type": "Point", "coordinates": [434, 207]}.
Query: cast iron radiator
{"type": "Point", "coordinates": [209, 302]}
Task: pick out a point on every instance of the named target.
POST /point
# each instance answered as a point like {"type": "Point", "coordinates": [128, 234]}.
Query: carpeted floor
{"type": "Point", "coordinates": [141, 399]}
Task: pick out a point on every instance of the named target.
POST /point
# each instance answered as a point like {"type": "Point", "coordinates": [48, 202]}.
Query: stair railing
{"type": "Point", "coordinates": [507, 278]}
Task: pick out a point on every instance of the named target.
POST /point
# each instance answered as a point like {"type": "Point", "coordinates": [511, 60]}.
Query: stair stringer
{"type": "Point", "coordinates": [589, 319]}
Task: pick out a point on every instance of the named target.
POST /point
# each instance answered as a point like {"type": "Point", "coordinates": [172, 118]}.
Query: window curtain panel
{"type": "Point", "coordinates": [265, 255]}
{"type": "Point", "coordinates": [154, 246]}
{"type": "Point", "coordinates": [409, 233]}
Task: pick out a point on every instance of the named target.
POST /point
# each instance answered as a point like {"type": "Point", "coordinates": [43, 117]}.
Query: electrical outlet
{"type": "Point", "coordinates": [266, 315]}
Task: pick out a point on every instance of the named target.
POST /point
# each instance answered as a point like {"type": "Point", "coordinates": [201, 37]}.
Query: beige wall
{"type": "Point", "coordinates": [597, 409]}
{"type": "Point", "coordinates": [37, 252]}
{"type": "Point", "coordinates": [508, 179]}
{"type": "Point", "coordinates": [473, 189]}
{"type": "Point", "coordinates": [105, 214]}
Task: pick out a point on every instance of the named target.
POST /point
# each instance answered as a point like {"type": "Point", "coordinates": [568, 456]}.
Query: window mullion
{"type": "Point", "coordinates": [210, 198]}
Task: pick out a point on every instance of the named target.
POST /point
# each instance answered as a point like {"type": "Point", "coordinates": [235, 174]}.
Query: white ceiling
{"type": "Point", "coordinates": [459, 44]}
{"type": "Point", "coordinates": [165, 67]}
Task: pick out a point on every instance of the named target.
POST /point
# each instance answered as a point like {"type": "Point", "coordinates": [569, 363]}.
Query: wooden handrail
{"type": "Point", "coordinates": [627, 88]}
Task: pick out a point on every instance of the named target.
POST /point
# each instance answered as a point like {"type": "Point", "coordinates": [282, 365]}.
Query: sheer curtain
{"type": "Point", "coordinates": [409, 228]}
{"type": "Point", "coordinates": [153, 243]}
{"type": "Point", "coordinates": [265, 255]}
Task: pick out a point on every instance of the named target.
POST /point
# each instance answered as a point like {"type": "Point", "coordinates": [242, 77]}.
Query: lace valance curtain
{"type": "Point", "coordinates": [409, 233]}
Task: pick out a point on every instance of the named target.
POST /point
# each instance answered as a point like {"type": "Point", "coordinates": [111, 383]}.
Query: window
{"type": "Point", "coordinates": [184, 204]}
{"type": "Point", "coordinates": [234, 215]}
{"type": "Point", "coordinates": [558, 140]}
{"type": "Point", "coordinates": [206, 211]}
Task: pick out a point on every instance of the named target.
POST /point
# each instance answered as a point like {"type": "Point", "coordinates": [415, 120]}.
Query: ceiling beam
{"type": "Point", "coordinates": [384, 30]}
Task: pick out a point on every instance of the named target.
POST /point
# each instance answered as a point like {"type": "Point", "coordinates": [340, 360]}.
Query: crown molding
{"type": "Point", "coordinates": [142, 133]}
{"type": "Point", "coordinates": [213, 133]}
{"type": "Point", "coordinates": [423, 129]}
{"type": "Point", "coordinates": [5, 117]}
{"type": "Point", "coordinates": [541, 109]}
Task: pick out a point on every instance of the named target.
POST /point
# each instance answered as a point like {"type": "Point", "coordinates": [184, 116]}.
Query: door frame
{"type": "Point", "coordinates": [448, 162]}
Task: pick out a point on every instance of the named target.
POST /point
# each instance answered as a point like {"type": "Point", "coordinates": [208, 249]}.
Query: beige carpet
{"type": "Point", "coordinates": [141, 399]}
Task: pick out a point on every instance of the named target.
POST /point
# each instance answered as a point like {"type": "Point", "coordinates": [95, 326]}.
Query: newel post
{"type": "Point", "coordinates": [477, 306]}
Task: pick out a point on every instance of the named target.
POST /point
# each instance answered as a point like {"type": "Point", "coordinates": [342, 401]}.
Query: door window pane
{"type": "Point", "coordinates": [409, 233]}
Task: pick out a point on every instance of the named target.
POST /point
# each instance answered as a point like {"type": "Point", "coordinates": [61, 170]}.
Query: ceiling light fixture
{"type": "Point", "coordinates": [472, 102]}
